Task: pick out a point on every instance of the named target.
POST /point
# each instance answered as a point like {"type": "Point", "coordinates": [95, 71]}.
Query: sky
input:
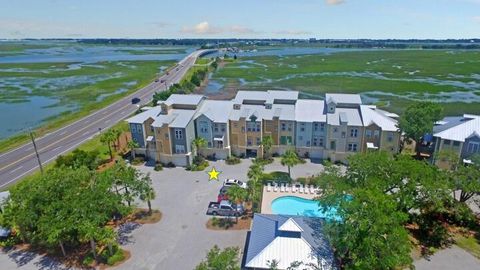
{"type": "Point", "coordinates": [335, 19]}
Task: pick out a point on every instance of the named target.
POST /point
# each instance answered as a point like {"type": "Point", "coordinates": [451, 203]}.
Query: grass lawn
{"type": "Point", "coordinates": [391, 78]}
{"type": "Point", "coordinates": [470, 244]}
{"type": "Point", "coordinates": [112, 81]}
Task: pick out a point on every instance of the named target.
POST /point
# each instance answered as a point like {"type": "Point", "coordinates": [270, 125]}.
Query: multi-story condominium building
{"type": "Point", "coordinates": [459, 134]}
{"type": "Point", "coordinates": [333, 128]}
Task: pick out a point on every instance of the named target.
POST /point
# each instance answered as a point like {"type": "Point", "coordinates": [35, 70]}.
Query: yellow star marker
{"type": "Point", "coordinates": [213, 174]}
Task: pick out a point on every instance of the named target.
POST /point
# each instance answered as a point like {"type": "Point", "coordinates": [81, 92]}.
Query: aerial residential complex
{"type": "Point", "coordinates": [460, 134]}
{"type": "Point", "coordinates": [333, 128]}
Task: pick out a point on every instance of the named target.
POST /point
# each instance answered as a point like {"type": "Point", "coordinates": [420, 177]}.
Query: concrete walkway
{"type": "Point", "coordinates": [453, 258]}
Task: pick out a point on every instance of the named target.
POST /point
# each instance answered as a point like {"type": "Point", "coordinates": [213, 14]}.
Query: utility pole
{"type": "Point", "coordinates": [36, 151]}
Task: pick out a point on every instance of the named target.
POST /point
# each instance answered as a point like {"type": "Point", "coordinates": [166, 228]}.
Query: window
{"type": "Point", "coordinates": [390, 136]}
{"type": "Point", "coordinates": [335, 130]}
{"type": "Point", "coordinates": [302, 129]}
{"type": "Point", "coordinates": [284, 126]}
{"type": "Point", "coordinates": [322, 127]}
{"type": "Point", "coordinates": [178, 134]}
{"type": "Point", "coordinates": [315, 126]}
{"type": "Point", "coordinates": [368, 133]}
{"type": "Point", "coordinates": [352, 147]}
{"type": "Point", "coordinates": [179, 149]}
{"type": "Point", "coordinates": [315, 141]}
{"type": "Point", "coordinates": [343, 134]}
{"type": "Point", "coordinates": [249, 141]}
{"type": "Point", "coordinates": [376, 133]}
{"type": "Point", "coordinates": [333, 145]}
{"type": "Point", "coordinates": [289, 127]}
{"type": "Point", "coordinates": [473, 147]}
{"type": "Point", "coordinates": [133, 128]}
{"type": "Point", "coordinates": [308, 143]}
{"type": "Point", "coordinates": [300, 138]}
{"type": "Point", "coordinates": [215, 127]}
{"type": "Point", "coordinates": [152, 129]}
{"type": "Point", "coordinates": [456, 143]}
{"type": "Point", "coordinates": [286, 140]}
{"type": "Point", "coordinates": [354, 132]}
{"type": "Point", "coordinates": [223, 128]}
{"type": "Point", "coordinates": [446, 142]}
{"type": "Point", "coordinates": [320, 142]}
{"type": "Point", "coordinates": [258, 127]}
{"type": "Point", "coordinates": [259, 141]}
{"type": "Point", "coordinates": [203, 127]}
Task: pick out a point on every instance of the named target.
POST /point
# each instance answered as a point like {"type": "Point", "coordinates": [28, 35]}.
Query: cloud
{"type": "Point", "coordinates": [202, 28]}
{"type": "Point", "coordinates": [292, 33]}
{"type": "Point", "coordinates": [334, 2]}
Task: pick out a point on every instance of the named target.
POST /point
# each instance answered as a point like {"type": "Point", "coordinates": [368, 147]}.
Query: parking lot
{"type": "Point", "coordinates": [180, 240]}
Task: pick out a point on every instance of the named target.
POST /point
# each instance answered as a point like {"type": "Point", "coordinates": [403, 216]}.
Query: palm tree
{"type": "Point", "coordinates": [254, 175]}
{"type": "Point", "coordinates": [237, 195]}
{"type": "Point", "coordinates": [267, 143]}
{"type": "Point", "coordinates": [290, 159]}
{"type": "Point", "coordinates": [116, 133]}
{"type": "Point", "coordinates": [107, 138]}
{"type": "Point", "coordinates": [132, 145]}
{"type": "Point", "coordinates": [198, 144]}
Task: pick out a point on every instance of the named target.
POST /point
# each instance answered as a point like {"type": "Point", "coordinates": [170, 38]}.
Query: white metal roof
{"type": "Point", "coordinates": [285, 250]}
{"type": "Point", "coordinates": [468, 127]}
{"type": "Point", "coordinates": [371, 115]}
{"type": "Point", "coordinates": [290, 226]}
{"type": "Point", "coordinates": [309, 110]}
{"type": "Point", "coordinates": [184, 99]}
{"type": "Point", "coordinates": [217, 111]}
{"type": "Point", "coordinates": [349, 115]}
{"type": "Point", "coordinates": [343, 98]}
{"type": "Point", "coordinates": [141, 117]}
{"type": "Point", "coordinates": [267, 96]}
{"type": "Point", "coordinates": [175, 118]}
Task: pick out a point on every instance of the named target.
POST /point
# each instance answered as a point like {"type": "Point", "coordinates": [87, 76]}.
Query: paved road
{"type": "Point", "coordinates": [21, 161]}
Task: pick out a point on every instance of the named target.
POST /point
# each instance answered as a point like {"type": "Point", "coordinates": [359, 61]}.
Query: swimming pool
{"type": "Point", "coordinates": [292, 205]}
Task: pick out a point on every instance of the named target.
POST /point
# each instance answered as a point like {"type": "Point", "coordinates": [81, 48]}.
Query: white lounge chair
{"type": "Point", "coordinates": [289, 188]}
{"type": "Point", "coordinates": [269, 187]}
{"type": "Point", "coordinates": [275, 187]}
{"type": "Point", "coordinates": [312, 189]}
{"type": "Point", "coordinates": [301, 188]}
{"type": "Point", "coordinates": [282, 188]}
{"type": "Point", "coordinates": [294, 188]}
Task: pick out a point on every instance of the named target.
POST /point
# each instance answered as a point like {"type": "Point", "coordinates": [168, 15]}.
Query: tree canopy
{"type": "Point", "coordinates": [227, 259]}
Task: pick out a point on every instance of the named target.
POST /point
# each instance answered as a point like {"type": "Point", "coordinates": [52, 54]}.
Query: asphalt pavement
{"type": "Point", "coordinates": [21, 161]}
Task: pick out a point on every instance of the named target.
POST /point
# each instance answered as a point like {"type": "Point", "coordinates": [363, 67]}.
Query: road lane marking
{"type": "Point", "coordinates": [148, 91]}
{"type": "Point", "coordinates": [16, 169]}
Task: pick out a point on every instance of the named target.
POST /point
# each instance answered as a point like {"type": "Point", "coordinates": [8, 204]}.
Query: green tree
{"type": "Point", "coordinates": [79, 158]}
{"type": "Point", "coordinates": [108, 138]}
{"type": "Point", "coordinates": [290, 159]}
{"type": "Point", "coordinates": [267, 143]}
{"type": "Point", "coordinates": [195, 80]}
{"type": "Point", "coordinates": [116, 133]}
{"type": "Point", "coordinates": [254, 174]}
{"type": "Point", "coordinates": [418, 120]}
{"type": "Point", "coordinates": [197, 144]}
{"type": "Point", "coordinates": [146, 191]}
{"type": "Point", "coordinates": [132, 145]}
{"type": "Point", "coordinates": [237, 195]}
{"type": "Point", "coordinates": [227, 259]}
{"type": "Point", "coordinates": [466, 181]}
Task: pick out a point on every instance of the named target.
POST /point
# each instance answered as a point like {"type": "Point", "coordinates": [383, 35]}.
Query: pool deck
{"type": "Point", "coordinates": [269, 196]}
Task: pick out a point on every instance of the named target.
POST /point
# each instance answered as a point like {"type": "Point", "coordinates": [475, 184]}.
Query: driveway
{"type": "Point", "coordinates": [453, 258]}
{"type": "Point", "coordinates": [180, 240]}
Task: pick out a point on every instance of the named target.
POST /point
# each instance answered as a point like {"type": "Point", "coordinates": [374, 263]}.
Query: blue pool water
{"type": "Point", "coordinates": [291, 205]}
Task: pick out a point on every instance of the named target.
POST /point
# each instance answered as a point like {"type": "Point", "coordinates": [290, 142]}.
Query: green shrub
{"type": "Point", "coordinates": [302, 180]}
{"type": "Point", "coordinates": [116, 257]}
{"type": "Point", "coordinates": [138, 161]}
{"type": "Point", "coordinates": [199, 164]}
{"type": "Point", "coordinates": [232, 160]}
{"type": "Point", "coordinates": [460, 214]}
{"type": "Point", "coordinates": [158, 167]}
{"type": "Point", "coordinates": [276, 176]}
{"type": "Point", "coordinates": [264, 161]}
{"type": "Point", "coordinates": [88, 260]}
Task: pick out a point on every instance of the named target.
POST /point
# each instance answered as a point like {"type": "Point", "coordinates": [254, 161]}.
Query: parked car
{"type": "Point", "coordinates": [222, 194]}
{"type": "Point", "coordinates": [135, 100]}
{"type": "Point", "coordinates": [234, 182]}
{"type": "Point", "coordinates": [156, 80]}
{"type": "Point", "coordinates": [225, 208]}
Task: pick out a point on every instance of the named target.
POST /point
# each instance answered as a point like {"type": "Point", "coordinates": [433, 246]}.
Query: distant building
{"type": "Point", "coordinates": [288, 239]}
{"type": "Point", "coordinates": [460, 134]}
{"type": "Point", "coordinates": [333, 128]}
